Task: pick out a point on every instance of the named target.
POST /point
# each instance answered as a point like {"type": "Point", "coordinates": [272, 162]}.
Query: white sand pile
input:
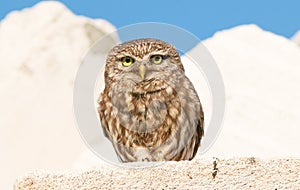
{"type": "Point", "coordinates": [245, 173]}
{"type": "Point", "coordinates": [296, 38]}
{"type": "Point", "coordinates": [40, 51]}
{"type": "Point", "coordinates": [261, 75]}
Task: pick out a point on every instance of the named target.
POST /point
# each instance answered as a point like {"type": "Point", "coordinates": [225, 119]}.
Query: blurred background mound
{"type": "Point", "coordinates": [40, 51]}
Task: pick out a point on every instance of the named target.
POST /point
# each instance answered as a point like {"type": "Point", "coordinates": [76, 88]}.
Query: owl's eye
{"type": "Point", "coordinates": [127, 61]}
{"type": "Point", "coordinates": [156, 59]}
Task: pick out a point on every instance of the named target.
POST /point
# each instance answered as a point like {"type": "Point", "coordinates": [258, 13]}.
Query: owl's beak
{"type": "Point", "coordinates": [142, 71]}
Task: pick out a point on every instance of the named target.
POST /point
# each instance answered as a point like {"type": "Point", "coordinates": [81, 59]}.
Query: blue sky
{"type": "Point", "coordinates": [203, 18]}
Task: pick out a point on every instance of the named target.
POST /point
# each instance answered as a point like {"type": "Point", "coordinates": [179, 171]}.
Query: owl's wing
{"type": "Point", "coordinates": [190, 150]}
{"type": "Point", "coordinates": [101, 110]}
{"type": "Point", "coordinates": [199, 131]}
{"type": "Point", "coordinates": [105, 131]}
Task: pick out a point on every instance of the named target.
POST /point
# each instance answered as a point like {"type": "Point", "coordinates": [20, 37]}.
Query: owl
{"type": "Point", "coordinates": [149, 109]}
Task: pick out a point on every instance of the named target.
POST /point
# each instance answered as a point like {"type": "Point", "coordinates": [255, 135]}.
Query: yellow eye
{"type": "Point", "coordinates": [127, 61]}
{"type": "Point", "coordinates": [156, 59]}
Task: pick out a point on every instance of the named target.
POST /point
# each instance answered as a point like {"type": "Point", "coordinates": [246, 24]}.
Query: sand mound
{"type": "Point", "coordinates": [261, 76]}
{"type": "Point", "coordinates": [40, 51]}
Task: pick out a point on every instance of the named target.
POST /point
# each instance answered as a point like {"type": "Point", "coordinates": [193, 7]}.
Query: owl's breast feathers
{"type": "Point", "coordinates": [154, 109]}
{"type": "Point", "coordinates": [152, 117]}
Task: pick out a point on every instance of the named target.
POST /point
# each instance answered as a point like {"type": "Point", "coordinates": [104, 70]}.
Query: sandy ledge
{"type": "Point", "coordinates": [238, 173]}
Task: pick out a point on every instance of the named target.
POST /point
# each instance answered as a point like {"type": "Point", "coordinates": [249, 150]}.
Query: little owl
{"type": "Point", "coordinates": [149, 109]}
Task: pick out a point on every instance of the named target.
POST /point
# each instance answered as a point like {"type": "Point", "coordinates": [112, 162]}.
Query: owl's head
{"type": "Point", "coordinates": [142, 60]}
